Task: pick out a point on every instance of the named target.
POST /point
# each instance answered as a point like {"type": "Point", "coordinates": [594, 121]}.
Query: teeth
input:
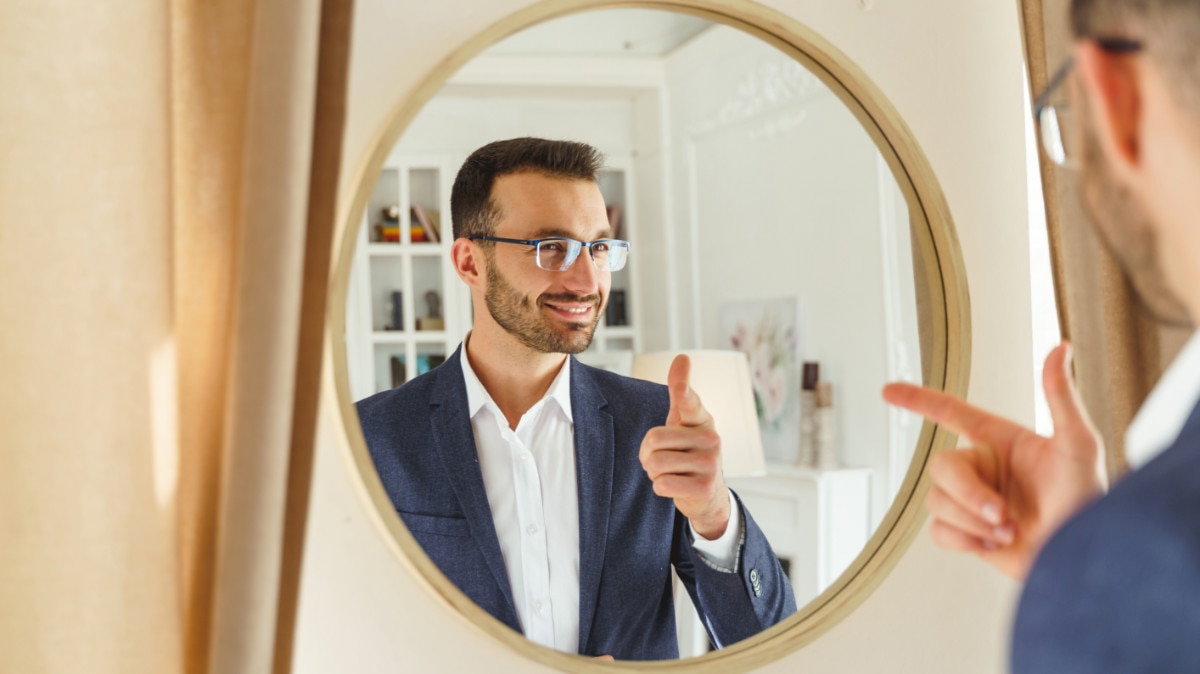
{"type": "Point", "coordinates": [574, 310]}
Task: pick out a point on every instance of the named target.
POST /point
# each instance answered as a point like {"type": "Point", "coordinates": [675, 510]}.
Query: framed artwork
{"type": "Point", "coordinates": [768, 332]}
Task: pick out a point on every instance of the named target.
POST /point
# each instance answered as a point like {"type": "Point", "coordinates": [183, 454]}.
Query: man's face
{"type": "Point", "coordinates": [547, 311]}
{"type": "Point", "coordinates": [1124, 225]}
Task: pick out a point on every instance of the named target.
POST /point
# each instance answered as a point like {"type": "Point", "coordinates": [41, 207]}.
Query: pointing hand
{"type": "Point", "coordinates": [1005, 495]}
{"type": "Point", "coordinates": [683, 457]}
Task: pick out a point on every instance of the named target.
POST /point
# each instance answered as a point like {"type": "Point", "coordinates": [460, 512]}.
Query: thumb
{"type": "Point", "coordinates": [686, 409]}
{"type": "Point", "coordinates": [1066, 408]}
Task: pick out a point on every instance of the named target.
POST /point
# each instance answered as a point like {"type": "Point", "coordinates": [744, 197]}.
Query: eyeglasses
{"type": "Point", "coordinates": [1054, 117]}
{"type": "Point", "coordinates": [559, 253]}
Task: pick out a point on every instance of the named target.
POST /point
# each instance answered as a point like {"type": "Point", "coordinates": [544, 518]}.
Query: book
{"type": "Point", "coordinates": [427, 222]}
{"type": "Point", "coordinates": [397, 310]}
{"type": "Point", "coordinates": [616, 315]}
{"type": "Point", "coordinates": [398, 371]}
{"type": "Point", "coordinates": [434, 229]}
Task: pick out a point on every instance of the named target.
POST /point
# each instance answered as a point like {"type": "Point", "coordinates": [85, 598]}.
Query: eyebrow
{"type": "Point", "coordinates": [558, 232]}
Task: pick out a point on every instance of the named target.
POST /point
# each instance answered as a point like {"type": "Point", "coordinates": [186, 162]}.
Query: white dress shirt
{"type": "Point", "coordinates": [530, 479]}
{"type": "Point", "coordinates": [1166, 410]}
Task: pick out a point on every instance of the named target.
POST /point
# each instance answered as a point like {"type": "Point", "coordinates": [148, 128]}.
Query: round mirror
{"type": "Point", "coordinates": [775, 208]}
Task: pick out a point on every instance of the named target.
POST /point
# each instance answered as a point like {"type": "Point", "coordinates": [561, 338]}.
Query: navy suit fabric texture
{"type": "Point", "coordinates": [421, 441]}
{"type": "Point", "coordinates": [1117, 589]}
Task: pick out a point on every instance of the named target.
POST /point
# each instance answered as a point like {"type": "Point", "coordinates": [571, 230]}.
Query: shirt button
{"type": "Point", "coordinates": [532, 529]}
{"type": "Point", "coordinates": [524, 456]}
{"type": "Point", "coordinates": [537, 606]}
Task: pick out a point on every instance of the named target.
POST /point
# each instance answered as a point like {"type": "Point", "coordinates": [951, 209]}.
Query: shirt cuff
{"type": "Point", "coordinates": [722, 552]}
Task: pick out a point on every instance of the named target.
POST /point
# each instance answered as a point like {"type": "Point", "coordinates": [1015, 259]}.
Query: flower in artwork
{"type": "Point", "coordinates": [770, 346]}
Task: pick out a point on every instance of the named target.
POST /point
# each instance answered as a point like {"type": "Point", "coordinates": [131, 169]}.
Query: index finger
{"type": "Point", "coordinates": [953, 413]}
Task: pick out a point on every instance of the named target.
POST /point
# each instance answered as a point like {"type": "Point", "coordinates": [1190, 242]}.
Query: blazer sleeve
{"type": "Point", "coordinates": [736, 603]}
{"type": "Point", "coordinates": [1117, 589]}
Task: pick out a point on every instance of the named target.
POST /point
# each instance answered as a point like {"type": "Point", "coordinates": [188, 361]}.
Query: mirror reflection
{"type": "Point", "coordinates": [700, 191]}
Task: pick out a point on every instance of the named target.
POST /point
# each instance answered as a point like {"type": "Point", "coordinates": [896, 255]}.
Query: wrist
{"type": "Point", "coordinates": [715, 521]}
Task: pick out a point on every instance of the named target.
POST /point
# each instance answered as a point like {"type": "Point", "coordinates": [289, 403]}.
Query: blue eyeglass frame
{"type": "Point", "coordinates": [572, 244]}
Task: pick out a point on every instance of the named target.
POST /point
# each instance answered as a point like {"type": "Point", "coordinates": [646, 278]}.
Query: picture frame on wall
{"type": "Point", "coordinates": [768, 332]}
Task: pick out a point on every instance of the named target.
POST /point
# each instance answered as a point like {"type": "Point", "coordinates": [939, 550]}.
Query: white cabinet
{"type": "Point", "coordinates": [817, 521]}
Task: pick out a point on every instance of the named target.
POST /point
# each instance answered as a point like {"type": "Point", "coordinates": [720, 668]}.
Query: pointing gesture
{"type": "Point", "coordinates": [1005, 495]}
{"type": "Point", "coordinates": [683, 457]}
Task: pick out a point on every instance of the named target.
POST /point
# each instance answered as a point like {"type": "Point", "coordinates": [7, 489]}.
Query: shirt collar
{"type": "Point", "coordinates": [478, 396]}
{"type": "Point", "coordinates": [1166, 410]}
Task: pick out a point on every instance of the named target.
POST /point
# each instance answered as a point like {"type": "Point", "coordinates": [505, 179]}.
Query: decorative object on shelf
{"type": "Point", "coordinates": [397, 311]}
{"type": "Point", "coordinates": [425, 222]}
{"type": "Point", "coordinates": [388, 231]}
{"type": "Point", "coordinates": [426, 362]}
{"type": "Point", "coordinates": [768, 333]}
{"type": "Point", "coordinates": [825, 436]}
{"type": "Point", "coordinates": [434, 320]}
{"type": "Point", "coordinates": [616, 314]}
{"type": "Point", "coordinates": [808, 411]}
{"type": "Point", "coordinates": [398, 371]}
{"type": "Point", "coordinates": [722, 380]}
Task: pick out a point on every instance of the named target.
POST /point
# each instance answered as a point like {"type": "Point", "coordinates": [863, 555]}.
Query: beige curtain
{"type": "Point", "coordinates": [1120, 351]}
{"type": "Point", "coordinates": [167, 179]}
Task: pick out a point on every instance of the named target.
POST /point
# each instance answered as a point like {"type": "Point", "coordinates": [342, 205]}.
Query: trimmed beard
{"type": "Point", "coordinates": [522, 318]}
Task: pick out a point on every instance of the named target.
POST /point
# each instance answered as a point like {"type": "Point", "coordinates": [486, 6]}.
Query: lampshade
{"type": "Point", "coordinates": [722, 380]}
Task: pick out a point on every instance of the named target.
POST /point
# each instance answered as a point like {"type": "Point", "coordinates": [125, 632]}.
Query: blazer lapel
{"type": "Point", "coordinates": [594, 474]}
{"type": "Point", "coordinates": [455, 443]}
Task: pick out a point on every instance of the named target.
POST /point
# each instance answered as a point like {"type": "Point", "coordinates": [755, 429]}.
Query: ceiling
{"type": "Point", "coordinates": [611, 32]}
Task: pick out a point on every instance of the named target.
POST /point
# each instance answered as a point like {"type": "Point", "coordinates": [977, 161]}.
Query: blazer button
{"type": "Point", "coordinates": [756, 582]}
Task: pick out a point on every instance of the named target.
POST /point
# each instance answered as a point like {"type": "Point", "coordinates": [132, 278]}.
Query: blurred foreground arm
{"type": "Point", "coordinates": [1002, 496]}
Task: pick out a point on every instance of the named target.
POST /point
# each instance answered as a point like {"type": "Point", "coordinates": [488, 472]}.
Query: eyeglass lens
{"type": "Point", "coordinates": [560, 254]}
{"type": "Point", "coordinates": [1055, 123]}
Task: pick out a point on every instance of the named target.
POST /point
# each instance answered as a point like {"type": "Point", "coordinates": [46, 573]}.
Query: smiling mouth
{"type": "Point", "coordinates": [573, 309]}
{"type": "Point", "coordinates": [569, 310]}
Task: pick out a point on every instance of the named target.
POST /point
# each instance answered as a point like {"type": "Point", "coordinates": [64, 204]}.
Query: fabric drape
{"type": "Point", "coordinates": [167, 182]}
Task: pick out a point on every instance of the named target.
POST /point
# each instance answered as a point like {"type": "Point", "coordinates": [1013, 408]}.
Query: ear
{"type": "Point", "coordinates": [468, 261]}
{"type": "Point", "coordinates": [1113, 86]}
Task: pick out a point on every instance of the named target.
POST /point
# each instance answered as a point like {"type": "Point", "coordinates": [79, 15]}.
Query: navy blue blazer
{"type": "Point", "coordinates": [1117, 589]}
{"type": "Point", "coordinates": [421, 440]}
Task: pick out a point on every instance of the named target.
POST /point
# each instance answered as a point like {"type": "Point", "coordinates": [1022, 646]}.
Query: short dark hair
{"type": "Point", "coordinates": [472, 210]}
{"type": "Point", "coordinates": [1168, 29]}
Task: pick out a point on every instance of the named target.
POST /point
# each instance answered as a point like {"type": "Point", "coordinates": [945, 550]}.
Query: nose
{"type": "Point", "coordinates": [583, 278]}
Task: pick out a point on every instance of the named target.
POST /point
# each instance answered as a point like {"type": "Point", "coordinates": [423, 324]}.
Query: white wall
{"type": "Point", "coordinates": [953, 71]}
{"type": "Point", "coordinates": [459, 125]}
{"type": "Point", "coordinates": [779, 193]}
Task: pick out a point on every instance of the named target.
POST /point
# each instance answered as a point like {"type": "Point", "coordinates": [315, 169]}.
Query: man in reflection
{"type": "Point", "coordinates": [1112, 582]}
{"type": "Point", "coordinates": [557, 496]}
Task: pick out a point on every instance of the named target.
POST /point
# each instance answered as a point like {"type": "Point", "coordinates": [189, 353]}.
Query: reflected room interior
{"type": "Point", "coordinates": [763, 220]}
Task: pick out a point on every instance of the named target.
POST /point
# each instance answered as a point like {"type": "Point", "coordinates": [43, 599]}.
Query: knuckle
{"type": "Point", "coordinates": [652, 463]}
{"type": "Point", "coordinates": [940, 467]}
{"type": "Point", "coordinates": [946, 537]}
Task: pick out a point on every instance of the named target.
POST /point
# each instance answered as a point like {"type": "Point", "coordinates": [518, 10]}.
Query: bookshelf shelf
{"type": "Point", "coordinates": [399, 285]}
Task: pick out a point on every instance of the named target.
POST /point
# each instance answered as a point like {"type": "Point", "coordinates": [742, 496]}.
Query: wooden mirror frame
{"type": "Point", "coordinates": [950, 342]}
